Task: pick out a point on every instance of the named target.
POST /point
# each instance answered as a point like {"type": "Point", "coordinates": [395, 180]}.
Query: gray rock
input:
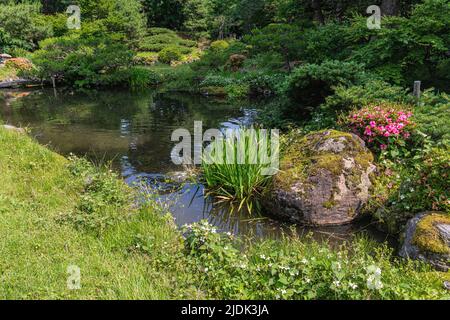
{"type": "Point", "coordinates": [332, 188]}
{"type": "Point", "coordinates": [178, 176]}
{"type": "Point", "coordinates": [447, 285]}
{"type": "Point", "coordinates": [408, 250]}
{"type": "Point", "coordinates": [12, 128]}
{"type": "Point", "coordinates": [444, 231]}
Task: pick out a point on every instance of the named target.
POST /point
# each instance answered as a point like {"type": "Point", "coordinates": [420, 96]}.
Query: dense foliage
{"type": "Point", "coordinates": [316, 64]}
{"type": "Point", "coordinates": [298, 268]}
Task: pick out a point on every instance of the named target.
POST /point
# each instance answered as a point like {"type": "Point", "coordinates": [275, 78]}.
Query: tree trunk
{"type": "Point", "coordinates": [389, 7]}
{"type": "Point", "coordinates": [317, 8]}
{"type": "Point", "coordinates": [339, 10]}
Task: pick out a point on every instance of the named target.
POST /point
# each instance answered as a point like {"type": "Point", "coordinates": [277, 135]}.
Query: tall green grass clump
{"type": "Point", "coordinates": [234, 167]}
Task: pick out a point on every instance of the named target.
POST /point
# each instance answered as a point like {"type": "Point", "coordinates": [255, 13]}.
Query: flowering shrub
{"type": "Point", "coordinates": [19, 64]}
{"type": "Point", "coordinates": [383, 127]}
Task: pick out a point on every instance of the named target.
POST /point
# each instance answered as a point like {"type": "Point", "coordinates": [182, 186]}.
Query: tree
{"type": "Point", "coordinates": [23, 26]}
{"type": "Point", "coordinates": [283, 39]}
{"type": "Point", "coordinates": [196, 16]}
{"type": "Point", "coordinates": [389, 7]}
{"type": "Point", "coordinates": [318, 14]}
{"type": "Point", "coordinates": [164, 13]}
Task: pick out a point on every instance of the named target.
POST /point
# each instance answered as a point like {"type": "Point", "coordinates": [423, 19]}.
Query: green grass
{"type": "Point", "coordinates": [36, 248]}
{"type": "Point", "coordinates": [7, 73]}
{"type": "Point", "coordinates": [56, 212]}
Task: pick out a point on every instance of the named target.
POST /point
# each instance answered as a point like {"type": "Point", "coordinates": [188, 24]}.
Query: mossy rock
{"type": "Point", "coordinates": [427, 238]}
{"type": "Point", "coordinates": [214, 91]}
{"type": "Point", "coordinates": [324, 179]}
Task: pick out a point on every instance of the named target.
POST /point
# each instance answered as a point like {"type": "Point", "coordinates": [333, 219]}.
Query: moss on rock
{"type": "Point", "coordinates": [427, 237]}
{"type": "Point", "coordinates": [314, 152]}
{"type": "Point", "coordinates": [324, 178]}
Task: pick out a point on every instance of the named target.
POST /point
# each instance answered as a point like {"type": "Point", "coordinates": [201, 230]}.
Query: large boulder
{"type": "Point", "coordinates": [427, 238]}
{"type": "Point", "coordinates": [324, 179]}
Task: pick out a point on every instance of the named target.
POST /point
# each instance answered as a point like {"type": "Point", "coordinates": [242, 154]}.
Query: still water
{"type": "Point", "coordinates": [133, 130]}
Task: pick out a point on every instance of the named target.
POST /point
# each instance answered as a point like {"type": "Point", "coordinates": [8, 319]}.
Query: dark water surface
{"type": "Point", "coordinates": [134, 131]}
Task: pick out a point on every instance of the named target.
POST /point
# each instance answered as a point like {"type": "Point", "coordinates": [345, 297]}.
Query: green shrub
{"type": "Point", "coordinates": [308, 85]}
{"type": "Point", "coordinates": [266, 62]}
{"type": "Point", "coordinates": [235, 91]}
{"type": "Point", "coordinates": [219, 45]}
{"type": "Point", "coordinates": [145, 58]}
{"type": "Point", "coordinates": [156, 31]}
{"type": "Point", "coordinates": [87, 59]}
{"type": "Point", "coordinates": [158, 41]}
{"type": "Point", "coordinates": [373, 91]}
{"type": "Point", "coordinates": [187, 43]}
{"type": "Point", "coordinates": [213, 80]}
{"type": "Point", "coordinates": [325, 42]}
{"type": "Point", "coordinates": [22, 26]}
{"type": "Point", "coordinates": [180, 78]}
{"type": "Point", "coordinates": [433, 116]}
{"type": "Point", "coordinates": [216, 60]}
{"type": "Point", "coordinates": [141, 78]}
{"type": "Point", "coordinates": [170, 54]}
{"type": "Point", "coordinates": [263, 84]}
{"type": "Point", "coordinates": [19, 52]}
{"type": "Point", "coordinates": [411, 186]}
{"type": "Point", "coordinates": [283, 39]}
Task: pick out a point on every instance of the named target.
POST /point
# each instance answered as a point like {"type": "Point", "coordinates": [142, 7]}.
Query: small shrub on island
{"type": "Point", "coordinates": [170, 54]}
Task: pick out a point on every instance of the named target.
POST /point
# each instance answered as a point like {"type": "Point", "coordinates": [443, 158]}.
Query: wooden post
{"type": "Point", "coordinates": [417, 91]}
{"type": "Point", "coordinates": [54, 86]}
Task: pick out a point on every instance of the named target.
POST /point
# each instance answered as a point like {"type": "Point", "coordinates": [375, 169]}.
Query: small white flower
{"type": "Point", "coordinates": [336, 283]}
{"type": "Point", "coordinates": [352, 285]}
{"type": "Point", "coordinates": [307, 280]}
{"type": "Point", "coordinates": [283, 291]}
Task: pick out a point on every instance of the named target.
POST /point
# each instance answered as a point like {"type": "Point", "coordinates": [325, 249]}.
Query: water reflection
{"type": "Point", "coordinates": [134, 131]}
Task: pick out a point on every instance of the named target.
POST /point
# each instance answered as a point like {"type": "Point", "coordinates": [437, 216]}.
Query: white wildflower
{"type": "Point", "coordinates": [352, 285]}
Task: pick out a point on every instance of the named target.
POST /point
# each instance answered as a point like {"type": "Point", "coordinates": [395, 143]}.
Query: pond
{"type": "Point", "coordinates": [133, 130]}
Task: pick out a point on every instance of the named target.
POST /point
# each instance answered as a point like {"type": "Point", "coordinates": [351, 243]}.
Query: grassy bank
{"type": "Point", "coordinates": [57, 212]}
{"type": "Point", "coordinates": [38, 188]}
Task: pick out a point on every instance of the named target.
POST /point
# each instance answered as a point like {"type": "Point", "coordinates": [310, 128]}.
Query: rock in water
{"type": "Point", "coordinates": [324, 179]}
{"type": "Point", "coordinates": [427, 238]}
